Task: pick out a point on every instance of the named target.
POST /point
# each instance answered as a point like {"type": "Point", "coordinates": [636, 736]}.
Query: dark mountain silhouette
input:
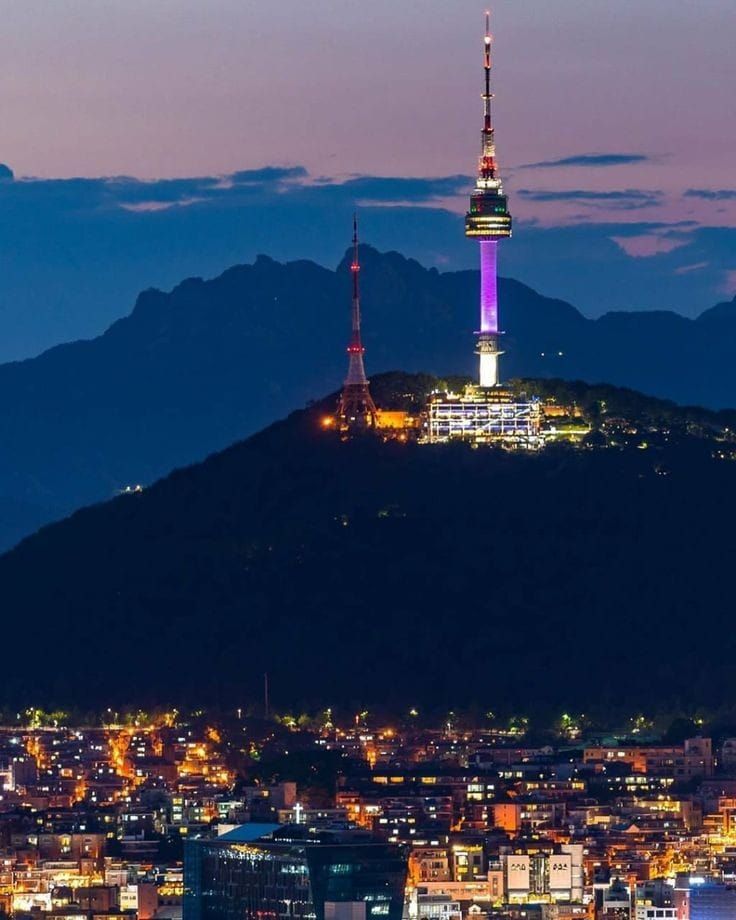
{"type": "Point", "coordinates": [191, 371]}
{"type": "Point", "coordinates": [394, 573]}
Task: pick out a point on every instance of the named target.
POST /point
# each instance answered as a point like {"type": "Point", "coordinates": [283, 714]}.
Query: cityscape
{"type": "Point", "coordinates": [451, 640]}
{"type": "Point", "coordinates": [237, 814]}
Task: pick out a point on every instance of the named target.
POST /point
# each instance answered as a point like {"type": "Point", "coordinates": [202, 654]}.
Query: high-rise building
{"type": "Point", "coordinates": [488, 221]}
{"type": "Point", "coordinates": [290, 873]}
{"type": "Point", "coordinates": [356, 410]}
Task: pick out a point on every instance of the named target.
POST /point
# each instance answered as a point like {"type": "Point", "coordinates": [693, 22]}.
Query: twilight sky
{"type": "Point", "coordinates": [629, 103]}
{"type": "Point", "coordinates": [185, 87]}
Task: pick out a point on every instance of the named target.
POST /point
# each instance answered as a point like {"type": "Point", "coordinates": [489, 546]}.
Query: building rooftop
{"type": "Point", "coordinates": [246, 833]}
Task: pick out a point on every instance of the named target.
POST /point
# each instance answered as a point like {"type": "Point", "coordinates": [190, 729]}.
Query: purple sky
{"type": "Point", "coordinates": [184, 87]}
{"type": "Point", "coordinates": [630, 104]}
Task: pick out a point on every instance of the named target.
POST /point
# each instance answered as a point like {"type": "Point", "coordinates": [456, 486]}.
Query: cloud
{"type": "Point", "coordinates": [729, 282]}
{"type": "Point", "coordinates": [75, 252]}
{"type": "Point", "coordinates": [712, 194]}
{"type": "Point", "coordinates": [618, 199]}
{"type": "Point", "coordinates": [643, 241]}
{"type": "Point", "coordinates": [91, 244]}
{"type": "Point", "coordinates": [696, 267]}
{"type": "Point", "coordinates": [268, 174]}
{"type": "Point", "coordinates": [244, 185]}
{"type": "Point", "coordinates": [394, 188]}
{"type": "Point", "coordinates": [587, 195]}
{"type": "Point", "coordinates": [157, 193]}
{"type": "Point", "coordinates": [584, 265]}
{"type": "Point", "coordinates": [126, 191]}
{"type": "Point", "coordinates": [590, 160]}
{"type": "Point", "coordinates": [153, 205]}
{"type": "Point", "coordinates": [651, 226]}
{"type": "Point", "coordinates": [151, 194]}
{"type": "Point", "coordinates": [646, 245]}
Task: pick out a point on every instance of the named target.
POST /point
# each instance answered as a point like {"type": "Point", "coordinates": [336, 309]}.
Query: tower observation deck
{"type": "Point", "coordinates": [488, 221]}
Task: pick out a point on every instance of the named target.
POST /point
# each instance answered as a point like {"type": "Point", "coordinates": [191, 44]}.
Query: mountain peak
{"type": "Point", "coordinates": [211, 361]}
{"type": "Point", "coordinates": [725, 310]}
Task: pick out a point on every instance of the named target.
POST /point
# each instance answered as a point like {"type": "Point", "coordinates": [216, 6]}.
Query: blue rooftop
{"type": "Point", "coordinates": [246, 833]}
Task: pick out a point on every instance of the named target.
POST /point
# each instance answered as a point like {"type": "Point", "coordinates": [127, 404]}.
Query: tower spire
{"type": "Point", "coordinates": [487, 163]}
{"type": "Point", "coordinates": [356, 409]}
{"type": "Point", "coordinates": [356, 344]}
{"type": "Point", "coordinates": [487, 96]}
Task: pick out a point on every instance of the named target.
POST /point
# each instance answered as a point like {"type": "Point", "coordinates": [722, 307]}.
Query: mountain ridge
{"type": "Point", "coordinates": [192, 370]}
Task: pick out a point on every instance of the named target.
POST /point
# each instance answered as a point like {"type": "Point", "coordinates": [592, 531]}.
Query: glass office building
{"type": "Point", "coordinates": [264, 872]}
{"type": "Point", "coordinates": [712, 902]}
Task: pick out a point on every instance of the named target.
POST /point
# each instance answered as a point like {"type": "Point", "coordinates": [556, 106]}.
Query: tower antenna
{"type": "Point", "coordinates": [355, 270]}
{"type": "Point", "coordinates": [487, 95]}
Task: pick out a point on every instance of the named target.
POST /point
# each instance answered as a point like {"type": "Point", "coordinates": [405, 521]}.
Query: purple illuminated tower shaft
{"type": "Point", "coordinates": [488, 287]}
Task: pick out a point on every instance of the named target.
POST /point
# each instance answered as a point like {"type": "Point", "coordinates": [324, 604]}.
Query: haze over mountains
{"type": "Point", "coordinates": [192, 371]}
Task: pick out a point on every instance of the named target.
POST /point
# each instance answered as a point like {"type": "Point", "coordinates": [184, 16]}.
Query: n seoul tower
{"type": "Point", "coordinates": [488, 221]}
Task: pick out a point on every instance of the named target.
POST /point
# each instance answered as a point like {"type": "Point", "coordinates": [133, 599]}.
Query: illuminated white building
{"type": "Point", "coordinates": [540, 877]}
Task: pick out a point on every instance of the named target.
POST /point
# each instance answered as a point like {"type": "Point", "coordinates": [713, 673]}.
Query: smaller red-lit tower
{"type": "Point", "coordinates": [356, 410]}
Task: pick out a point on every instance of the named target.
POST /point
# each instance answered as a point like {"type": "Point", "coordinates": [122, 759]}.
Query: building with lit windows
{"type": "Point", "coordinates": [469, 862]}
{"type": "Point", "coordinates": [290, 873]}
{"type": "Point", "coordinates": [615, 902]}
{"type": "Point", "coordinates": [691, 760]}
{"type": "Point", "coordinates": [500, 418]}
{"type": "Point", "coordinates": [539, 877]}
{"type": "Point", "coordinates": [655, 900]}
{"type": "Point", "coordinates": [429, 864]}
{"type": "Point", "coordinates": [427, 906]}
{"type": "Point", "coordinates": [648, 912]}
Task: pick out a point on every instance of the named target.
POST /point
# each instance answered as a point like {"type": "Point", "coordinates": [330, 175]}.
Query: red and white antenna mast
{"type": "Point", "coordinates": [356, 409]}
